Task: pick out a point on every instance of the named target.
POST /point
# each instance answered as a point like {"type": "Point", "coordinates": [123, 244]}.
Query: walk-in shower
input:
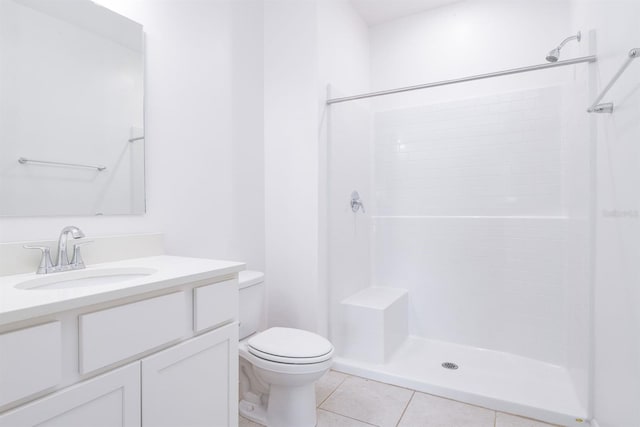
{"type": "Point", "coordinates": [467, 276]}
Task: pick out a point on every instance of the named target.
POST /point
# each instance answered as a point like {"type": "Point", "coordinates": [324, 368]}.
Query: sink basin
{"type": "Point", "coordinates": [84, 278]}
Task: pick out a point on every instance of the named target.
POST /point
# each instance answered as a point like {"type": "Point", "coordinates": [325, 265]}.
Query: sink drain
{"type": "Point", "coordinates": [449, 365]}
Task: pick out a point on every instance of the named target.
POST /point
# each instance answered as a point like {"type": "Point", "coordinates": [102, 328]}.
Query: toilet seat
{"type": "Point", "coordinates": [283, 368]}
{"type": "Point", "coordinates": [290, 360]}
{"type": "Point", "coordinates": [290, 346]}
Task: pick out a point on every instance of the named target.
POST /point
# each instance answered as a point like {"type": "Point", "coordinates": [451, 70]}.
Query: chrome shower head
{"type": "Point", "coordinates": [554, 55]}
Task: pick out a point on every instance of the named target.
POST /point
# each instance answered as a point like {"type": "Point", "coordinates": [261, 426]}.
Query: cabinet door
{"type": "Point", "coordinates": [193, 384]}
{"type": "Point", "coordinates": [109, 400]}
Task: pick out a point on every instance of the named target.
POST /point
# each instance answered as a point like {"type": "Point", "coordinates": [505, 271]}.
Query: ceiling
{"type": "Point", "coordinates": [378, 11]}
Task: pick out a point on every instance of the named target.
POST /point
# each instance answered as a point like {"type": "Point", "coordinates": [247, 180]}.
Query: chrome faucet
{"type": "Point", "coordinates": [63, 259]}
{"type": "Point", "coordinates": [62, 262]}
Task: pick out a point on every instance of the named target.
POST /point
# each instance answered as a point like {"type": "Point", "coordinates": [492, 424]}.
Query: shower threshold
{"type": "Point", "coordinates": [487, 378]}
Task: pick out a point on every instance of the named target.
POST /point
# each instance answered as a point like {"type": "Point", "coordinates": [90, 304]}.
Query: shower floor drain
{"type": "Point", "coordinates": [449, 365]}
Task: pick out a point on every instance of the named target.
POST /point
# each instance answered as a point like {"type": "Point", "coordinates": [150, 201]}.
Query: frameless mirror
{"type": "Point", "coordinates": [71, 110]}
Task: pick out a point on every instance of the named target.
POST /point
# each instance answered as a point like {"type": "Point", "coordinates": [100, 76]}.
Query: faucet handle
{"type": "Point", "coordinates": [76, 261]}
{"type": "Point", "coordinates": [46, 265]}
{"type": "Point", "coordinates": [356, 202]}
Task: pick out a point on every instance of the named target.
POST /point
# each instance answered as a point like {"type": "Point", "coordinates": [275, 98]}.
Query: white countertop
{"type": "Point", "coordinates": [21, 304]}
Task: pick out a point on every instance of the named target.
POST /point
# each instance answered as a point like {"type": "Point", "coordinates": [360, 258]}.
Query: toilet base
{"type": "Point", "coordinates": [253, 412]}
{"type": "Point", "coordinates": [292, 406]}
{"type": "Point", "coordinates": [288, 407]}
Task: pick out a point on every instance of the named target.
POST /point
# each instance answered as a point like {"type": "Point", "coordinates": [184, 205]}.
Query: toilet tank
{"type": "Point", "coordinates": [251, 285]}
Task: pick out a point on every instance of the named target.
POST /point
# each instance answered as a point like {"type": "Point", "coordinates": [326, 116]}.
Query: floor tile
{"type": "Point", "coordinates": [329, 419]}
{"type": "Point", "coordinates": [507, 420]}
{"type": "Point", "coordinates": [369, 401]}
{"type": "Point", "coordinates": [426, 410]}
{"type": "Point", "coordinates": [327, 385]}
{"type": "Point", "coordinates": [243, 422]}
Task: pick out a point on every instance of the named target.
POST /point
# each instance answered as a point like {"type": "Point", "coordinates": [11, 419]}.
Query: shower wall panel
{"type": "Point", "coordinates": [349, 237]}
{"type": "Point", "coordinates": [470, 218]}
{"type": "Point", "coordinates": [494, 155]}
{"type": "Point", "coordinates": [490, 282]}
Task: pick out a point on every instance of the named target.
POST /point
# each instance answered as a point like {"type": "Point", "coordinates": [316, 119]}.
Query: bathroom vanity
{"type": "Point", "coordinates": [141, 342]}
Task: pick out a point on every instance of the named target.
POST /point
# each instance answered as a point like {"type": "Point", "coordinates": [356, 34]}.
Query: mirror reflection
{"type": "Point", "coordinates": [71, 110]}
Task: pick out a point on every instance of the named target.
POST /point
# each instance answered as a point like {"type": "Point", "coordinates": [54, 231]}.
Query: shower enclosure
{"type": "Point", "coordinates": [467, 275]}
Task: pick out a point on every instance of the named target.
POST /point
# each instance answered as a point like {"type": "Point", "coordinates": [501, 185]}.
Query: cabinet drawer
{"type": "Point", "coordinates": [215, 304]}
{"type": "Point", "coordinates": [118, 333]}
{"type": "Point", "coordinates": [30, 361]}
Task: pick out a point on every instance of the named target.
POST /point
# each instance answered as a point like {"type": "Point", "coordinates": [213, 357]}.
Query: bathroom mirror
{"type": "Point", "coordinates": [71, 110]}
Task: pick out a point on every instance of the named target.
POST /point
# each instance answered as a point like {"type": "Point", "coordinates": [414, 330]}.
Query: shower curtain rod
{"type": "Point", "coordinates": [582, 59]}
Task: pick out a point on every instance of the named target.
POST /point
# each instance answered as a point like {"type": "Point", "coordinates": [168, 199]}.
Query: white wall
{"type": "Point", "coordinates": [308, 44]}
{"type": "Point", "coordinates": [248, 198]}
{"type": "Point", "coordinates": [196, 136]}
{"type": "Point", "coordinates": [291, 163]}
{"type": "Point", "coordinates": [616, 384]}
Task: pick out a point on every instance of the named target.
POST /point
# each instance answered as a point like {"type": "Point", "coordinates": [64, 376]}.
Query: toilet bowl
{"type": "Point", "coordinates": [287, 363]}
{"type": "Point", "coordinates": [279, 368]}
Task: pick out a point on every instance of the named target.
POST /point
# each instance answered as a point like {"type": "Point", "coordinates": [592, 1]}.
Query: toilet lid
{"type": "Point", "coordinates": [287, 345]}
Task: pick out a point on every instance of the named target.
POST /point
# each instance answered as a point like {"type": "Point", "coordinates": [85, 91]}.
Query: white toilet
{"type": "Point", "coordinates": [278, 367]}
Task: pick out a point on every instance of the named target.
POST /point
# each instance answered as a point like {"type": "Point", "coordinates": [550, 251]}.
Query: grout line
{"type": "Point", "coordinates": [379, 381]}
{"type": "Point", "coordinates": [346, 416]}
{"type": "Point", "coordinates": [495, 418]}
{"type": "Point", "coordinates": [459, 401]}
{"type": "Point", "coordinates": [334, 390]}
{"type": "Point", "coordinates": [405, 408]}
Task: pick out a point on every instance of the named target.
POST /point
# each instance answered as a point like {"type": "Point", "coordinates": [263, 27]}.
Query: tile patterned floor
{"type": "Point", "coordinates": [348, 401]}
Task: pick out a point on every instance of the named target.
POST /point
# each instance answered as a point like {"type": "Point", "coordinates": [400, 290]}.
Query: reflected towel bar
{"type": "Point", "coordinates": [23, 161]}
{"type": "Point", "coordinates": [596, 107]}
{"type": "Point", "coordinates": [588, 59]}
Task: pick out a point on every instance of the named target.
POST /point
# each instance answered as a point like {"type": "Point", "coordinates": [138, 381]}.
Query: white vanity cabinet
{"type": "Point", "coordinates": [109, 400]}
{"type": "Point", "coordinates": [163, 358]}
{"type": "Point", "coordinates": [193, 383]}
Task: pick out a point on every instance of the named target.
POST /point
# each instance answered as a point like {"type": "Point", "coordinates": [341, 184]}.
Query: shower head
{"type": "Point", "coordinates": [554, 55]}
